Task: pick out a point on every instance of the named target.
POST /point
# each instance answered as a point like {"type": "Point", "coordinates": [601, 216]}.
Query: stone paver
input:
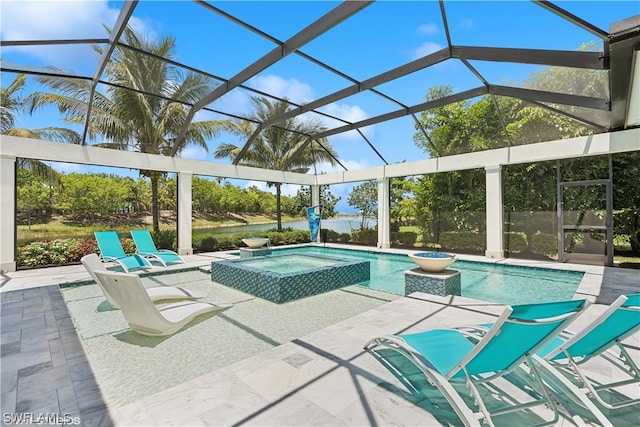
{"type": "Point", "coordinates": [44, 371]}
{"type": "Point", "coordinates": [324, 378]}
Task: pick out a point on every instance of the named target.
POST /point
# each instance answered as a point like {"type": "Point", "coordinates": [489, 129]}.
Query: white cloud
{"type": "Point", "coordinates": [194, 152]}
{"type": "Point", "coordinates": [293, 89]}
{"type": "Point", "coordinates": [350, 113]}
{"type": "Point", "coordinates": [428, 29]}
{"type": "Point", "coordinates": [425, 49]}
{"type": "Point", "coordinates": [36, 20]}
{"type": "Point", "coordinates": [234, 102]}
{"type": "Point", "coordinates": [355, 164]}
{"type": "Point", "coordinates": [349, 164]}
{"type": "Point", "coordinates": [467, 24]}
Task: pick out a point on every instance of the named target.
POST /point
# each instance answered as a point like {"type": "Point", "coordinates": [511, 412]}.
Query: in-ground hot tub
{"type": "Point", "coordinates": [283, 278]}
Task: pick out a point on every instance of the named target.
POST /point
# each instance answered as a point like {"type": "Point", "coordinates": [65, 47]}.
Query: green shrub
{"type": "Point", "coordinates": [128, 245]}
{"type": "Point", "coordinates": [395, 237]}
{"type": "Point", "coordinates": [54, 252]}
{"type": "Point", "coordinates": [330, 235]}
{"type": "Point", "coordinates": [208, 244]}
{"type": "Point", "coordinates": [463, 240]}
{"type": "Point", "coordinates": [366, 236]}
{"type": "Point", "coordinates": [165, 239]}
{"type": "Point", "coordinates": [222, 242]}
{"type": "Point", "coordinates": [408, 238]}
{"type": "Point", "coordinates": [544, 244]}
{"type": "Point", "coordinates": [404, 238]}
{"type": "Point", "coordinates": [227, 242]}
{"type": "Point", "coordinates": [516, 242]}
{"type": "Point", "coordinates": [344, 237]}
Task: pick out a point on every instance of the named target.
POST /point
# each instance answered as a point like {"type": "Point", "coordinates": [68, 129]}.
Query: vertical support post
{"type": "Point", "coordinates": [384, 218]}
{"type": "Point", "coordinates": [609, 207]}
{"type": "Point", "coordinates": [315, 195]}
{"type": "Point", "coordinates": [184, 213]}
{"type": "Point", "coordinates": [560, 213]}
{"type": "Point", "coordinates": [7, 214]}
{"type": "Point", "coordinates": [494, 212]}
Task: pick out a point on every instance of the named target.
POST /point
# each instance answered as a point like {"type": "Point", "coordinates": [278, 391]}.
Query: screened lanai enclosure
{"type": "Point", "coordinates": [533, 105]}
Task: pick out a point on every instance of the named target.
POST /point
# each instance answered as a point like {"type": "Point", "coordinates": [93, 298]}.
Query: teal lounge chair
{"type": "Point", "coordinates": [450, 357]}
{"type": "Point", "coordinates": [111, 250]}
{"type": "Point", "coordinates": [563, 357]}
{"type": "Point", "coordinates": [146, 248]}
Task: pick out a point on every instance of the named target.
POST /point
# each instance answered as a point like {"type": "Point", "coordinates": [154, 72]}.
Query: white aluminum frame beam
{"type": "Point", "coordinates": [12, 148]}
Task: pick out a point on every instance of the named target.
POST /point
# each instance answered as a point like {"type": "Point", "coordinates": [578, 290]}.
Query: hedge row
{"type": "Point", "coordinates": [69, 251]}
{"type": "Point", "coordinates": [463, 240]}
{"type": "Point", "coordinates": [515, 242]}
{"type": "Point", "coordinates": [223, 242]}
{"type": "Point", "coordinates": [55, 252]}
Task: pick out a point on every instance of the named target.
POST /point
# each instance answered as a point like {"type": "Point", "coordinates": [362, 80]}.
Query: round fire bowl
{"type": "Point", "coordinates": [255, 242]}
{"type": "Point", "coordinates": [433, 262]}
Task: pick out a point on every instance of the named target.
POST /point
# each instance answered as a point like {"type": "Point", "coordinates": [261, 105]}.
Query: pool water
{"type": "Point", "coordinates": [129, 366]}
{"type": "Point", "coordinates": [293, 263]}
{"type": "Point", "coordinates": [504, 284]}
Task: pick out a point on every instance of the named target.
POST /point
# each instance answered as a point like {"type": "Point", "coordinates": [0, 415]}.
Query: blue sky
{"type": "Point", "coordinates": [382, 36]}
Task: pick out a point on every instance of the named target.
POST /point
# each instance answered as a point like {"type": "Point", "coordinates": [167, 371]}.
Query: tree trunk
{"type": "Point", "coordinates": [278, 213]}
{"type": "Point", "coordinates": [155, 206]}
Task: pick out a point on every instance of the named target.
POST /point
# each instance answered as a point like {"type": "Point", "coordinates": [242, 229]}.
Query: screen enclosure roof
{"type": "Point", "coordinates": [362, 69]}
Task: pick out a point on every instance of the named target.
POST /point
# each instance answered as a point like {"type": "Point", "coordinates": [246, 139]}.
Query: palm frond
{"type": "Point", "coordinates": [42, 170]}
{"type": "Point", "coordinates": [48, 134]}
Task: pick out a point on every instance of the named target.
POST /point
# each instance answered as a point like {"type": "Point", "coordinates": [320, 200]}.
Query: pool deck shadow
{"type": "Point", "coordinates": [323, 378]}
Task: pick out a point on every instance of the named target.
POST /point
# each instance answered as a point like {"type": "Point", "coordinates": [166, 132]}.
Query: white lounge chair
{"type": "Point", "coordinates": [140, 312]}
{"type": "Point", "coordinates": [92, 264]}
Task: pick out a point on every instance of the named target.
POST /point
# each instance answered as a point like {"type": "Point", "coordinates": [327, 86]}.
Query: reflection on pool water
{"type": "Point", "coordinates": [505, 284]}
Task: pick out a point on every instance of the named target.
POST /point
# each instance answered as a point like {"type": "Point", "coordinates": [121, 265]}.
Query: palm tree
{"type": "Point", "coordinates": [137, 120]}
{"type": "Point", "coordinates": [12, 105]}
{"type": "Point", "coordinates": [276, 148]}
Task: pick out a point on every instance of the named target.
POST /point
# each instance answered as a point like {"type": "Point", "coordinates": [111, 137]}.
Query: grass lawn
{"type": "Point", "coordinates": [62, 229]}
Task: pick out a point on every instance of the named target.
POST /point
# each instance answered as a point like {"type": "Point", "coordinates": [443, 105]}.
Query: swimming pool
{"type": "Point", "coordinates": [505, 284]}
{"type": "Point", "coordinates": [129, 366]}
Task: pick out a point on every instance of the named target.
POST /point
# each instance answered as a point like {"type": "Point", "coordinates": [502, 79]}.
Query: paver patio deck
{"type": "Point", "coordinates": [324, 378]}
